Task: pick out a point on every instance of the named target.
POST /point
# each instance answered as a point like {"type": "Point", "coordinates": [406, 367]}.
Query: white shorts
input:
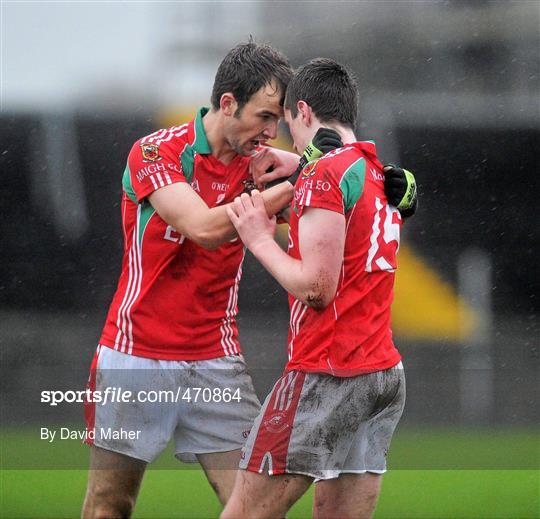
{"type": "Point", "coordinates": [139, 404]}
{"type": "Point", "coordinates": [323, 426]}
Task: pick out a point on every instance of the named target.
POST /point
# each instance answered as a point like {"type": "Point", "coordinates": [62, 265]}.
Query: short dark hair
{"type": "Point", "coordinates": [246, 69]}
{"type": "Point", "coordinates": [328, 88]}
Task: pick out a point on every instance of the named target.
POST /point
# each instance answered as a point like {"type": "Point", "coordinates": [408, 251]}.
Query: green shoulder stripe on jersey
{"type": "Point", "coordinates": [126, 184]}
{"type": "Point", "coordinates": [187, 159]}
{"type": "Point", "coordinates": [201, 145]}
{"type": "Point", "coordinates": [352, 183]}
{"type": "Point", "coordinates": [146, 211]}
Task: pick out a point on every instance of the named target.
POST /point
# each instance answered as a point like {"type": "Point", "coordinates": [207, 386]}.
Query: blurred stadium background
{"type": "Point", "coordinates": [449, 89]}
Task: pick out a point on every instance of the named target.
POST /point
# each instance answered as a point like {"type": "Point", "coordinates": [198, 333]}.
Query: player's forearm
{"type": "Point", "coordinates": [277, 197]}
{"type": "Point", "coordinates": [216, 227]}
{"type": "Point", "coordinates": [302, 283]}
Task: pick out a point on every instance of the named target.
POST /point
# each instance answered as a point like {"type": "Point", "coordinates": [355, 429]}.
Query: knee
{"type": "Point", "coordinates": [231, 511]}
{"type": "Point", "coordinates": [102, 503]}
{"type": "Point", "coordinates": [236, 509]}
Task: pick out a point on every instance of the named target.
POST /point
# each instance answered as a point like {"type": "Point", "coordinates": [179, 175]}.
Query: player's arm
{"type": "Point", "coordinates": [271, 163]}
{"type": "Point", "coordinates": [182, 208]}
{"type": "Point", "coordinates": [314, 278]}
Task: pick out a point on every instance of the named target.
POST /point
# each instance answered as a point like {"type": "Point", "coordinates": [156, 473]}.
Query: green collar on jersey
{"type": "Point", "coordinates": [201, 144]}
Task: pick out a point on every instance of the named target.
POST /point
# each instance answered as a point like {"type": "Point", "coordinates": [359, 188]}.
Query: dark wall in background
{"type": "Point", "coordinates": [41, 268]}
{"type": "Point", "coordinates": [477, 187]}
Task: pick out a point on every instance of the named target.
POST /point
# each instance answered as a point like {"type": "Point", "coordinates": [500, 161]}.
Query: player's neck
{"type": "Point", "coordinates": [221, 149]}
{"type": "Point", "coordinates": [346, 134]}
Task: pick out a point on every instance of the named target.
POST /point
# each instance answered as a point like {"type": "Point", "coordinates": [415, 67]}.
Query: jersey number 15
{"type": "Point", "coordinates": [384, 238]}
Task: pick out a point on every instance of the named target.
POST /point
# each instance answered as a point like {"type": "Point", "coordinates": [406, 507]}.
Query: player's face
{"type": "Point", "coordinates": [257, 121]}
{"type": "Point", "coordinates": [300, 133]}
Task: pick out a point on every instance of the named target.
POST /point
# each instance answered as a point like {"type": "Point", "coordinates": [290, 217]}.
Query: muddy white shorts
{"type": "Point", "coordinates": [137, 405]}
{"type": "Point", "coordinates": [322, 426]}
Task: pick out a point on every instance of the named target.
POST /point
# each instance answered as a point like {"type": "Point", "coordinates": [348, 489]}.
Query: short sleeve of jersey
{"type": "Point", "coordinates": [328, 187]}
{"type": "Point", "coordinates": [150, 167]}
{"type": "Point", "coordinates": [319, 187]}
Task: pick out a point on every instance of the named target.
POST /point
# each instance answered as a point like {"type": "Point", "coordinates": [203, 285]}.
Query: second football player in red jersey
{"type": "Point", "coordinates": [330, 418]}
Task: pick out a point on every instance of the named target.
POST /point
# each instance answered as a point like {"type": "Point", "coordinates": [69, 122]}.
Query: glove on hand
{"type": "Point", "coordinates": [325, 140]}
{"type": "Point", "coordinates": [400, 189]}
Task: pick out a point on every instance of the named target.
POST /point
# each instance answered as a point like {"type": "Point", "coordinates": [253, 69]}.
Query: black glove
{"type": "Point", "coordinates": [400, 189]}
{"type": "Point", "coordinates": [325, 140]}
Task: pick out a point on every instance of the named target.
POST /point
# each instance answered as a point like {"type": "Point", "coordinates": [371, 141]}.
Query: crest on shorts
{"type": "Point", "coordinates": [309, 170]}
{"type": "Point", "coordinates": [150, 152]}
{"type": "Point", "coordinates": [276, 423]}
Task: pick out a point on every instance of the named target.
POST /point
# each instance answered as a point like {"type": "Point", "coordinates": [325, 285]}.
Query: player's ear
{"type": "Point", "coordinates": [228, 104]}
{"type": "Point", "coordinates": [305, 112]}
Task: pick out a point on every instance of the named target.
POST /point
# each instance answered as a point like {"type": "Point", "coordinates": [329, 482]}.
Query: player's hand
{"type": "Point", "coordinates": [400, 189]}
{"type": "Point", "coordinates": [324, 141]}
{"type": "Point", "coordinates": [249, 217]}
{"type": "Point", "coordinates": [270, 164]}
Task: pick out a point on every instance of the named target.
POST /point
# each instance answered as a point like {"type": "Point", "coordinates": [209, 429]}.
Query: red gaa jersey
{"type": "Point", "coordinates": [175, 299]}
{"type": "Point", "coordinates": [352, 335]}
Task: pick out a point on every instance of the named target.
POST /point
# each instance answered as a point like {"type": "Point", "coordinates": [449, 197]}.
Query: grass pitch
{"type": "Point", "coordinates": [437, 474]}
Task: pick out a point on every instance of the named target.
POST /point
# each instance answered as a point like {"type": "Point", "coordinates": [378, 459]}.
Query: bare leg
{"type": "Point", "coordinates": [349, 496]}
{"type": "Point", "coordinates": [220, 469]}
{"type": "Point", "coordinates": [260, 496]}
{"type": "Point", "coordinates": [113, 484]}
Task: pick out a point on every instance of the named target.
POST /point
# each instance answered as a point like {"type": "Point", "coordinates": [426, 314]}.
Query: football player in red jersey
{"type": "Point", "coordinates": [172, 323]}
{"type": "Point", "coordinates": [331, 416]}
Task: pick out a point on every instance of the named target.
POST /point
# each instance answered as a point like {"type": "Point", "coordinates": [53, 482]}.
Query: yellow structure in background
{"type": "Point", "coordinates": [173, 116]}
{"type": "Point", "coordinates": [425, 306]}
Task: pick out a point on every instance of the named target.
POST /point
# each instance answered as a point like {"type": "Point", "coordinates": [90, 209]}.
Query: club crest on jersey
{"type": "Point", "coordinates": [150, 152]}
{"type": "Point", "coordinates": [309, 170]}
